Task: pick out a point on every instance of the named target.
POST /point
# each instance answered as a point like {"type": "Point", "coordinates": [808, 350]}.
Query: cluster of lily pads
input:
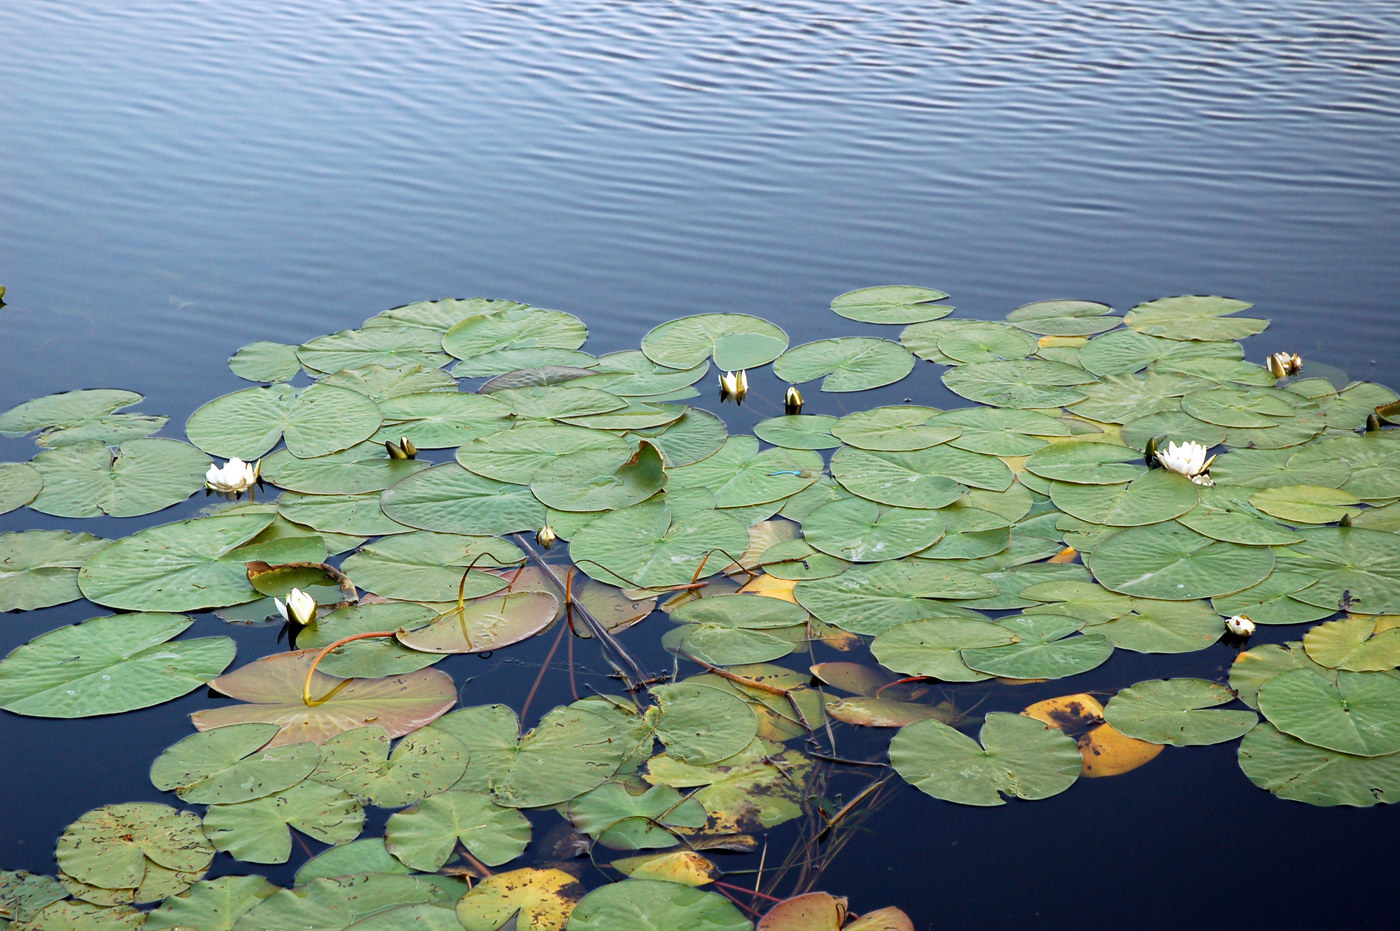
{"type": "Point", "coordinates": [1067, 515]}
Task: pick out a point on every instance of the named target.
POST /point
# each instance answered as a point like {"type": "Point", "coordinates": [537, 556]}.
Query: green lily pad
{"type": "Point", "coordinates": [1018, 383]}
{"type": "Point", "coordinates": [1064, 318]}
{"type": "Point", "coordinates": [142, 476]}
{"type": "Point", "coordinates": [229, 765]}
{"type": "Point", "coordinates": [424, 566]}
{"type": "Point", "coordinates": [366, 855]}
{"type": "Point", "coordinates": [621, 820]}
{"type": "Point", "coordinates": [747, 611]}
{"type": "Point", "coordinates": [265, 362]}
{"type": "Point", "coordinates": [359, 515]}
{"type": "Point", "coordinates": [1304, 504]}
{"type": "Point", "coordinates": [631, 374]}
{"type": "Point", "coordinates": [487, 335]}
{"type": "Point", "coordinates": [380, 382]}
{"type": "Point", "coordinates": [998, 432]}
{"type": "Point", "coordinates": [701, 725]}
{"type": "Point", "coordinates": [65, 409]}
{"type": "Point", "coordinates": [211, 904]}
{"type": "Point", "coordinates": [374, 657]}
{"type": "Point", "coordinates": [23, 894]}
{"type": "Point", "coordinates": [441, 314]}
{"type": "Point", "coordinates": [517, 455]}
{"type": "Point", "coordinates": [1225, 513]}
{"type": "Point", "coordinates": [1170, 562]}
{"type": "Point", "coordinates": [1164, 627]}
{"type": "Point", "coordinates": [1252, 668]}
{"type": "Point", "coordinates": [862, 531]}
{"type": "Point", "coordinates": [19, 483]}
{"type": "Point", "coordinates": [449, 499]}
{"type": "Point", "coordinates": [1271, 601]}
{"type": "Point", "coordinates": [727, 646]}
{"type": "Point", "coordinates": [1239, 407]}
{"type": "Point", "coordinates": [387, 346]}
{"type": "Point", "coordinates": [39, 568]}
{"type": "Point", "coordinates": [358, 761]}
{"type": "Point", "coordinates": [601, 479]}
{"type": "Point", "coordinates": [850, 363]}
{"type": "Point", "coordinates": [1125, 351]}
{"type": "Point", "coordinates": [1271, 468]}
{"type": "Point", "coordinates": [442, 419]}
{"type": "Point", "coordinates": [893, 428]}
{"type": "Point", "coordinates": [1171, 427]}
{"type": "Point", "coordinates": [1119, 398]}
{"type": "Point", "coordinates": [1044, 650]}
{"type": "Point", "coordinates": [1178, 712]}
{"type": "Point", "coordinates": [696, 435]}
{"type": "Point", "coordinates": [1352, 566]}
{"type": "Point", "coordinates": [759, 787]}
{"type": "Point", "coordinates": [655, 905]}
{"type": "Point", "coordinates": [872, 599]}
{"type": "Point", "coordinates": [272, 688]}
{"type": "Point", "coordinates": [1150, 498]}
{"type": "Point", "coordinates": [739, 475]}
{"type": "Point", "coordinates": [1348, 643]}
{"type": "Point", "coordinates": [1295, 770]}
{"type": "Point", "coordinates": [892, 304]}
{"type": "Point", "coordinates": [109, 665]}
{"type": "Point", "coordinates": [114, 846]}
{"type": "Point", "coordinates": [484, 624]}
{"type": "Point", "coordinates": [1018, 756]}
{"type": "Point", "coordinates": [424, 836]}
{"type": "Point", "coordinates": [1357, 714]}
{"type": "Point", "coordinates": [1086, 462]}
{"type": "Point", "coordinates": [315, 421]}
{"type": "Point", "coordinates": [355, 471]}
{"type": "Point", "coordinates": [986, 342]}
{"type": "Point", "coordinates": [346, 902]}
{"type": "Point", "coordinates": [898, 478]}
{"type": "Point", "coordinates": [1370, 460]}
{"type": "Point", "coordinates": [933, 647]}
{"type": "Point", "coordinates": [795, 431]}
{"type": "Point", "coordinates": [259, 830]}
{"type": "Point", "coordinates": [736, 341]}
{"type": "Point", "coordinates": [108, 430]}
{"type": "Point", "coordinates": [645, 546]}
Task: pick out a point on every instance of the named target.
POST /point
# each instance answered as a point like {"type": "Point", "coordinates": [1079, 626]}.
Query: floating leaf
{"type": "Point", "coordinates": [350, 901]}
{"type": "Point", "coordinates": [1164, 627]}
{"type": "Point", "coordinates": [1178, 712]}
{"type": "Point", "coordinates": [1193, 317]}
{"type": "Point", "coordinates": [442, 419]}
{"type": "Point", "coordinates": [653, 905]}
{"type": "Point", "coordinates": [997, 432]}
{"type": "Point", "coordinates": [933, 647]}
{"type": "Point", "coordinates": [265, 362]}
{"type": "Point", "coordinates": [892, 304]}
{"type": "Point", "coordinates": [1150, 498]}
{"type": "Point", "coordinates": [644, 545]}
{"type": "Point", "coordinates": [318, 420]}
{"type": "Point", "coordinates": [622, 820]}
{"type": "Point", "coordinates": [366, 855]}
{"type": "Point", "coordinates": [1353, 566]}
{"type": "Point", "coordinates": [1064, 318]}
{"type": "Point", "coordinates": [423, 837]}
{"type": "Point", "coordinates": [517, 455]}
{"type": "Point", "coordinates": [1356, 714]}
{"type": "Point", "coordinates": [108, 665]}
{"type": "Point", "coordinates": [758, 787]}
{"type": "Point", "coordinates": [1124, 351]}
{"type": "Point", "coordinates": [487, 623]}
{"type": "Point", "coordinates": [379, 382]}
{"type": "Point", "coordinates": [796, 431]}
{"type": "Point", "coordinates": [677, 866]}
{"type": "Point", "coordinates": [1086, 462]}
{"type": "Point", "coordinates": [1304, 504]}
{"type": "Point", "coordinates": [449, 499]}
{"type": "Point", "coordinates": [1018, 756]}
{"type": "Point", "coordinates": [739, 475]}
{"type": "Point", "coordinates": [259, 830]}
{"type": "Point", "coordinates": [112, 847]}
{"type": "Point", "coordinates": [537, 900]}
{"type": "Point", "coordinates": [1044, 650]}
{"type": "Point", "coordinates": [986, 342]}
{"type": "Point", "coordinates": [230, 765]}
{"type": "Point", "coordinates": [273, 688]}
{"type": "Point", "coordinates": [871, 599]}
{"type": "Point", "coordinates": [696, 435]}
{"type": "Point", "coordinates": [385, 345]}
{"type": "Point", "coordinates": [702, 725]}
{"type": "Point", "coordinates": [851, 363]}
{"type": "Point", "coordinates": [65, 409]}
{"type": "Point", "coordinates": [1105, 750]}
{"type": "Point", "coordinates": [39, 568]}
{"type": "Point", "coordinates": [210, 905]}
{"type": "Point", "coordinates": [1271, 601]}
{"type": "Point", "coordinates": [357, 470]}
{"type": "Point", "coordinates": [88, 480]}
{"type": "Point", "coordinates": [1348, 644]}
{"type": "Point", "coordinates": [883, 712]}
{"type": "Point", "coordinates": [863, 531]}
{"type": "Point", "coordinates": [1296, 770]}
{"type": "Point", "coordinates": [601, 480]}
{"type": "Point", "coordinates": [736, 341]}
{"type": "Point", "coordinates": [23, 894]}
{"type": "Point", "coordinates": [1018, 383]}
{"type": "Point", "coordinates": [19, 483]}
{"type": "Point", "coordinates": [902, 479]}
{"type": "Point", "coordinates": [1171, 562]}
{"type": "Point", "coordinates": [424, 566]}
{"type": "Point", "coordinates": [423, 764]}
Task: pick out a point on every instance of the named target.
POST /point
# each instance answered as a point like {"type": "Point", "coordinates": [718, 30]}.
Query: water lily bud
{"type": "Point", "coordinates": [546, 536]}
{"type": "Point", "coordinates": [233, 478]}
{"type": "Point", "coordinates": [1149, 454]}
{"type": "Point", "coordinates": [410, 451]}
{"type": "Point", "coordinates": [299, 608]}
{"type": "Point", "coordinates": [734, 386]}
{"type": "Point", "coordinates": [394, 450]}
{"type": "Point", "coordinates": [1239, 625]}
{"type": "Point", "coordinates": [1283, 364]}
{"type": "Point", "coordinates": [792, 401]}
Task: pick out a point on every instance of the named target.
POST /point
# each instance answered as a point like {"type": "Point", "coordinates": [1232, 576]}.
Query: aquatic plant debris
{"type": "Point", "coordinates": [1119, 483]}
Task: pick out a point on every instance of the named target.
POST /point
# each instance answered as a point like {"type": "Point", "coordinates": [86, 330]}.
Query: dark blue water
{"type": "Point", "coordinates": [182, 177]}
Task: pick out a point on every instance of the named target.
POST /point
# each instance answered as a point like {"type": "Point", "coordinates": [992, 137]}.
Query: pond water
{"type": "Point", "coordinates": [184, 178]}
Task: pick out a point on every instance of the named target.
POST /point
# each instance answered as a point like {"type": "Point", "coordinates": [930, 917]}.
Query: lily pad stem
{"type": "Point", "coordinates": [306, 698]}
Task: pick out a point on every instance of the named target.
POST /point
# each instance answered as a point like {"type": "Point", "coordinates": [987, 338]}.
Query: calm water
{"type": "Point", "coordinates": [183, 177]}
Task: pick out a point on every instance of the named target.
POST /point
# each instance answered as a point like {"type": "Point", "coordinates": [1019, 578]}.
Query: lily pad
{"type": "Point", "coordinates": [1304, 504]}
{"type": "Point", "coordinates": [1086, 462]}
{"type": "Point", "coordinates": [272, 687]}
{"type": "Point", "coordinates": [1125, 351]}
{"type": "Point", "coordinates": [1164, 627]}
{"type": "Point", "coordinates": [1353, 566]}
{"type": "Point", "coordinates": [1150, 498]}
{"type": "Point", "coordinates": [601, 479]}
{"type": "Point", "coordinates": [230, 765]}
{"type": "Point", "coordinates": [108, 665]}
{"type": "Point", "coordinates": [1357, 714]}
{"type": "Point", "coordinates": [739, 475]}
{"type": "Point", "coordinates": [449, 499]}
{"type": "Point", "coordinates": [142, 476]}
{"type": "Point", "coordinates": [623, 820]}
{"type": "Point", "coordinates": [65, 409]}
{"type": "Point", "coordinates": [653, 905]}
{"type": "Point", "coordinates": [379, 382]}
{"type": "Point", "coordinates": [892, 304]}
{"type": "Point", "coordinates": [483, 624]}
{"type": "Point", "coordinates": [19, 483]}
{"type": "Point", "coordinates": [357, 470]}
{"type": "Point", "coordinates": [113, 847]}
{"type": "Point", "coordinates": [265, 362]}
{"type": "Point", "coordinates": [850, 363]}
{"type": "Point", "coordinates": [39, 568]}
{"type": "Point", "coordinates": [517, 455]}
{"type": "Point", "coordinates": [998, 432]}
{"type": "Point", "coordinates": [387, 346]}
{"type": "Point", "coordinates": [933, 647]}
{"type": "Point", "coordinates": [863, 531]}
{"type": "Point", "coordinates": [1020, 383]}
{"type": "Point", "coordinates": [442, 419]}
{"type": "Point", "coordinates": [318, 420]}
{"type": "Point", "coordinates": [795, 431]}
{"type": "Point", "coordinates": [1064, 318]}
{"type": "Point", "coordinates": [536, 899]}
{"type": "Point", "coordinates": [872, 599]}
{"type": "Point", "coordinates": [736, 341]}
{"type": "Point", "coordinates": [210, 905]}
{"type": "Point", "coordinates": [1193, 317]}
{"type": "Point", "coordinates": [644, 546]}
{"type": "Point", "coordinates": [699, 724]}
{"type": "Point", "coordinates": [423, 566]}
{"type": "Point", "coordinates": [423, 764]}
{"type": "Point", "coordinates": [1295, 770]}
{"type": "Point", "coordinates": [357, 515]}
{"type": "Point", "coordinates": [985, 341]}
{"type": "Point", "coordinates": [1349, 644]}
{"type": "Point", "coordinates": [259, 831]}
{"type": "Point", "coordinates": [1044, 650]}
{"type": "Point", "coordinates": [1179, 712]}
{"type": "Point", "coordinates": [1018, 756]}
{"type": "Point", "coordinates": [1173, 563]}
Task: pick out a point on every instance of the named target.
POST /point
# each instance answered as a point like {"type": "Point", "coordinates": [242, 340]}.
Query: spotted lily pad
{"type": "Point", "coordinates": [625, 820]}
{"type": "Point", "coordinates": [259, 830]}
{"type": "Point", "coordinates": [423, 764]}
{"type": "Point", "coordinates": [230, 765]}
{"type": "Point", "coordinates": [537, 899]}
{"type": "Point", "coordinates": [1018, 756]}
{"type": "Point", "coordinates": [114, 846]}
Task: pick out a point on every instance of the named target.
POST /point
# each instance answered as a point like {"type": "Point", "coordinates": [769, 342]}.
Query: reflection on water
{"type": "Point", "coordinates": [188, 177]}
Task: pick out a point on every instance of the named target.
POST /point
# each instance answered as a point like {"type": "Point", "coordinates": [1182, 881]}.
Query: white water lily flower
{"type": "Point", "coordinates": [299, 608]}
{"type": "Point", "coordinates": [1239, 625]}
{"type": "Point", "coordinates": [1283, 364]}
{"type": "Point", "coordinates": [234, 478]}
{"type": "Point", "coordinates": [1188, 459]}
